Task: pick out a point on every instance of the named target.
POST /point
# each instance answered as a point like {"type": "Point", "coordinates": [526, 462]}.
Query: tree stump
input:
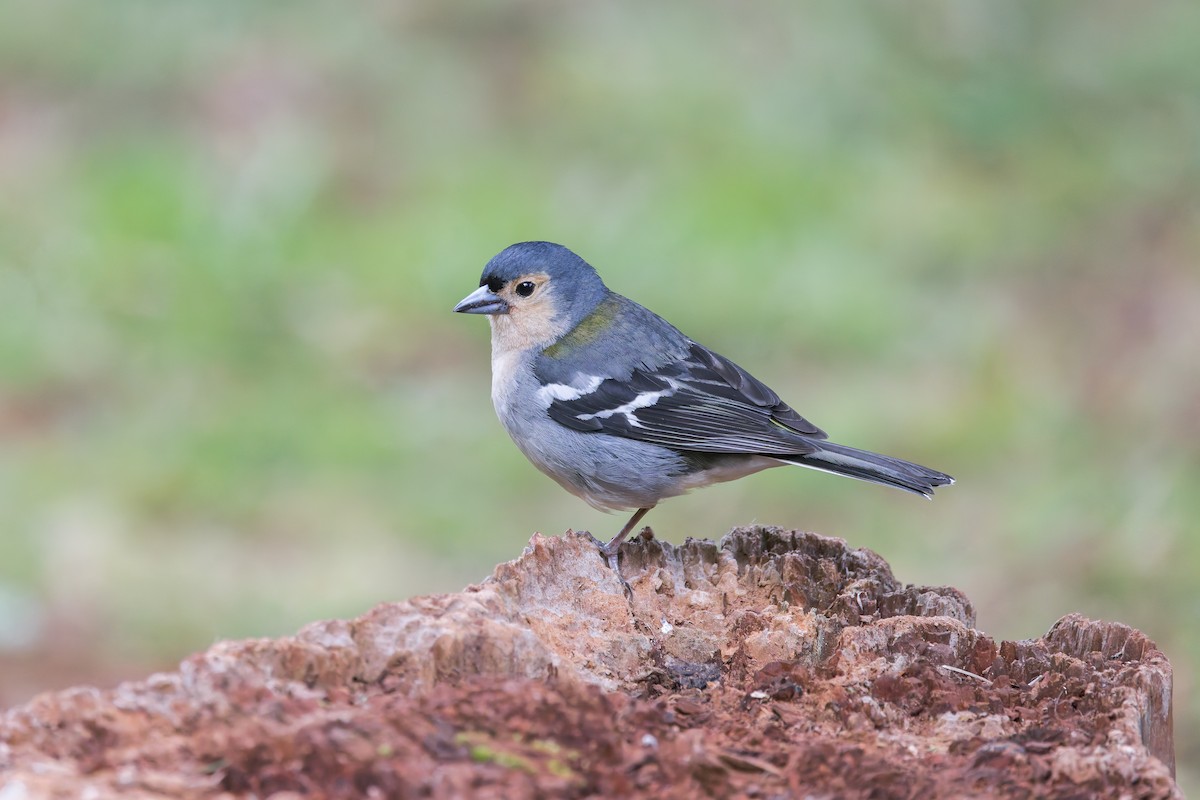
{"type": "Point", "coordinates": [775, 664]}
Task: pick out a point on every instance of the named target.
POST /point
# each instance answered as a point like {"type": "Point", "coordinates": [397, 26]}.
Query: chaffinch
{"type": "Point", "coordinates": [623, 410]}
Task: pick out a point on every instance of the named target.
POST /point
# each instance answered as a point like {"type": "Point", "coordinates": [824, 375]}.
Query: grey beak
{"type": "Point", "coordinates": [482, 301]}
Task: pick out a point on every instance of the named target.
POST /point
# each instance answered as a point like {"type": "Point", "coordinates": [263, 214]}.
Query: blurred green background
{"type": "Point", "coordinates": [233, 398]}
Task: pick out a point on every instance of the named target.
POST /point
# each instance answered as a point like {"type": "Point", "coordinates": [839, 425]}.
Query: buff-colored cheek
{"type": "Point", "coordinates": [526, 326]}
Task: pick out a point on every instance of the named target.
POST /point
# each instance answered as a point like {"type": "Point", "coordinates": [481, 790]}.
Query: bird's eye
{"type": "Point", "coordinates": [525, 288]}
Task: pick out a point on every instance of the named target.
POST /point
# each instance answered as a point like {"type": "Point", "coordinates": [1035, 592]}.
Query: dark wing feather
{"type": "Point", "coordinates": [746, 387]}
{"type": "Point", "coordinates": [701, 402]}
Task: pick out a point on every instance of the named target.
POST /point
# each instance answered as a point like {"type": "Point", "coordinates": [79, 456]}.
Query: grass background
{"type": "Point", "coordinates": [233, 398]}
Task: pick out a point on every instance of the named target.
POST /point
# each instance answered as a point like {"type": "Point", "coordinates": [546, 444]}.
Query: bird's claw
{"type": "Point", "coordinates": [591, 538]}
{"type": "Point", "coordinates": [610, 555]}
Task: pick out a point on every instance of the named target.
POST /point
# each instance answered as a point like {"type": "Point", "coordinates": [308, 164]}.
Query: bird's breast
{"type": "Point", "coordinates": [506, 368]}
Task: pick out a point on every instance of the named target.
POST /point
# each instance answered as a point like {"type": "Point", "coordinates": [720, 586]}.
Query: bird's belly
{"type": "Point", "coordinates": [604, 471]}
{"type": "Point", "coordinates": [727, 468]}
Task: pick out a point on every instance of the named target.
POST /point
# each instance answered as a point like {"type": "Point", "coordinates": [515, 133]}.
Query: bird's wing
{"type": "Point", "coordinates": [701, 402]}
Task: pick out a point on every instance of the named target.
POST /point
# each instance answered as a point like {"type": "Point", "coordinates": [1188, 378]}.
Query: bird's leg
{"type": "Point", "coordinates": [609, 551]}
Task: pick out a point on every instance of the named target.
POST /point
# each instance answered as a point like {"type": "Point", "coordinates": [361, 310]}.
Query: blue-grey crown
{"type": "Point", "coordinates": [574, 281]}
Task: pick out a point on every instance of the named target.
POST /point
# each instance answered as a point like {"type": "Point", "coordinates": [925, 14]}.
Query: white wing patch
{"type": "Point", "coordinates": [581, 385]}
{"type": "Point", "coordinates": [643, 400]}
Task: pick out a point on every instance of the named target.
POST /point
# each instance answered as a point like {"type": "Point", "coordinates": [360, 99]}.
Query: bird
{"type": "Point", "coordinates": [622, 409]}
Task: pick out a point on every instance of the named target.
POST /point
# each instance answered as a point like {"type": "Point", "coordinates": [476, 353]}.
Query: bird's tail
{"type": "Point", "coordinates": [872, 467]}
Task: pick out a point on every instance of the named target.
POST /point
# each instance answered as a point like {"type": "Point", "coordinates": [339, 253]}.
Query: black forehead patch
{"type": "Point", "coordinates": [493, 283]}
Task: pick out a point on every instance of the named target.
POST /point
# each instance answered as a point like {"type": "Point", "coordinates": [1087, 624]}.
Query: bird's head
{"type": "Point", "coordinates": [536, 290]}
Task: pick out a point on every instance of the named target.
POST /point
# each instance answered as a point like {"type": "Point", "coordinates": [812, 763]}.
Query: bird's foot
{"type": "Point", "coordinates": [610, 552]}
{"type": "Point", "coordinates": [600, 545]}
{"type": "Point", "coordinates": [610, 557]}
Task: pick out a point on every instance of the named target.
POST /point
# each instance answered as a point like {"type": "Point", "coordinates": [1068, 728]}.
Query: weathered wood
{"type": "Point", "coordinates": [777, 663]}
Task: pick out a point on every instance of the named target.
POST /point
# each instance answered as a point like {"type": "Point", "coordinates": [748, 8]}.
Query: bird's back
{"type": "Point", "coordinates": [618, 337]}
